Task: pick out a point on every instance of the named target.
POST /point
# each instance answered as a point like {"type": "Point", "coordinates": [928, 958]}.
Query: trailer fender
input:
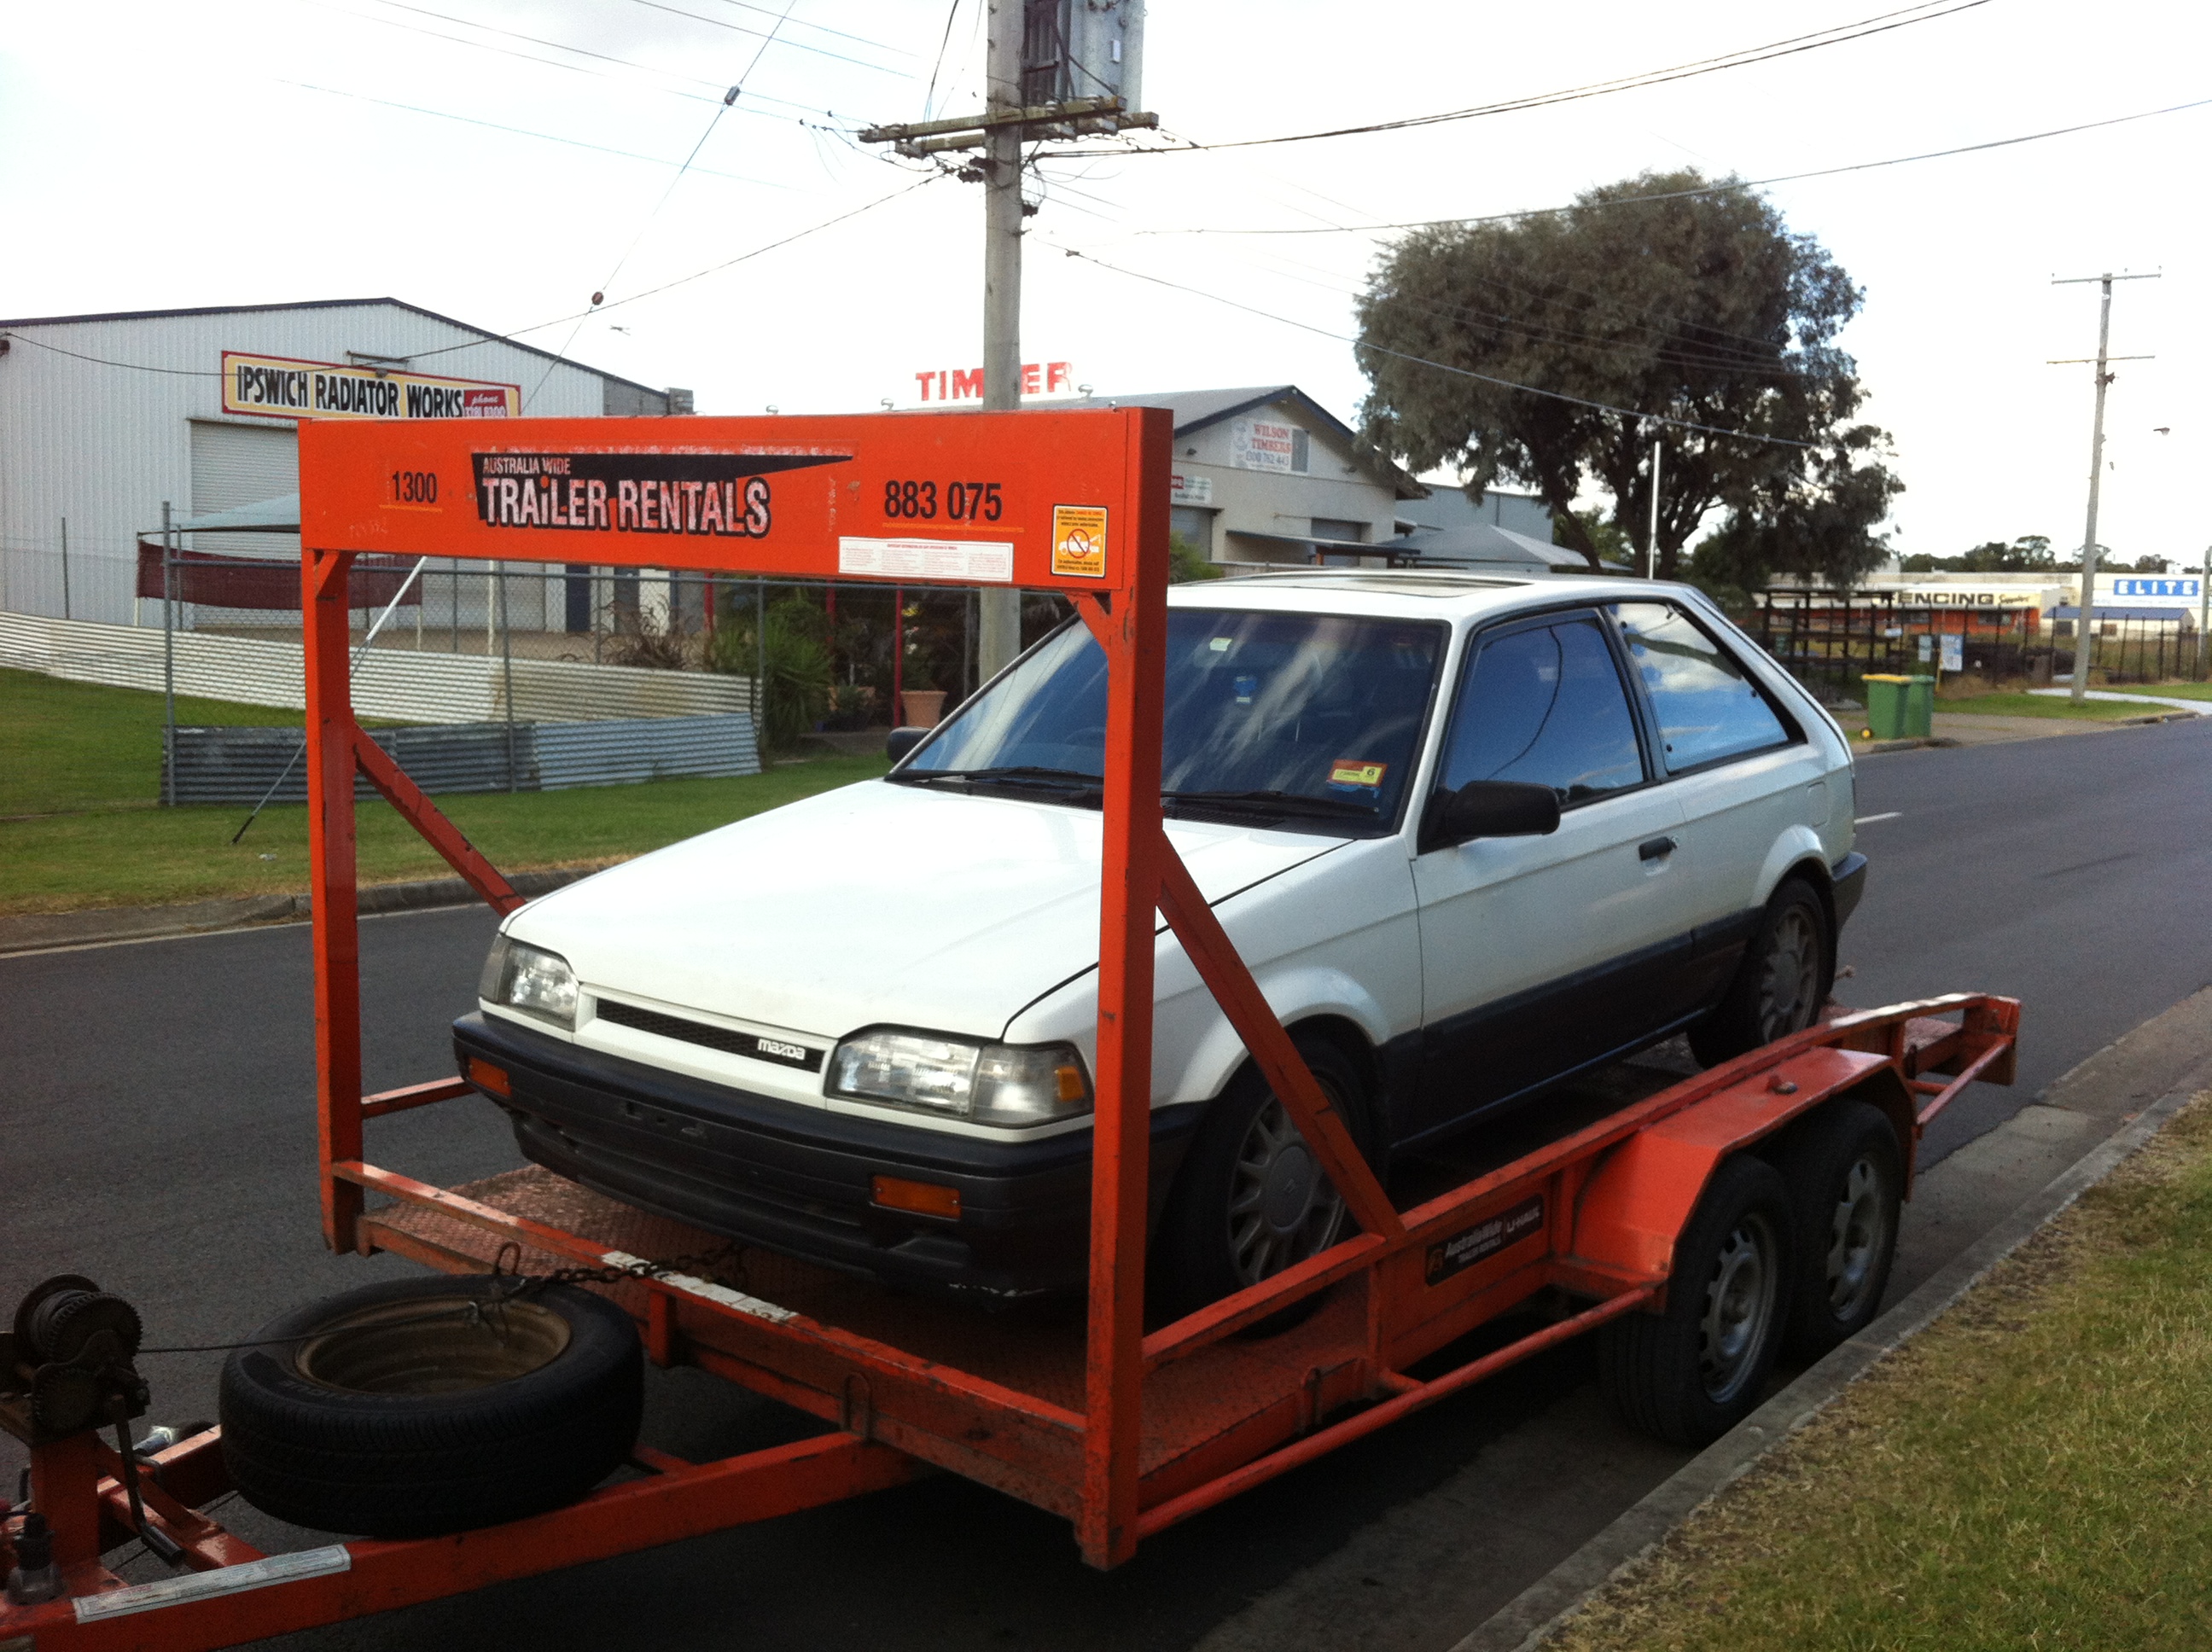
{"type": "Point", "coordinates": [1639, 1197]}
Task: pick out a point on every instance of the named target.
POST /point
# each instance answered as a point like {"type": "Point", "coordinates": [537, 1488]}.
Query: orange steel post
{"type": "Point", "coordinates": [326, 637]}
{"type": "Point", "coordinates": [1134, 848]}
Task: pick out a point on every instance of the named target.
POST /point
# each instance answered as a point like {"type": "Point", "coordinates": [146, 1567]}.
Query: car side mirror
{"type": "Point", "coordinates": [900, 741]}
{"type": "Point", "coordinates": [1488, 808]}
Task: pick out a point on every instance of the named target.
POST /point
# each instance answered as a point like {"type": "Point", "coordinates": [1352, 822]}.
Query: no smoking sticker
{"type": "Point", "coordinates": [1079, 541]}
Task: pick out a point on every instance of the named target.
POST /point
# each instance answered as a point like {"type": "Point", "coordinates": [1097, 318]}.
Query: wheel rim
{"type": "Point", "coordinates": [1282, 1207]}
{"type": "Point", "coordinates": [1858, 1233]}
{"type": "Point", "coordinates": [1739, 1308]}
{"type": "Point", "coordinates": [432, 1346]}
{"type": "Point", "coordinates": [1789, 982]}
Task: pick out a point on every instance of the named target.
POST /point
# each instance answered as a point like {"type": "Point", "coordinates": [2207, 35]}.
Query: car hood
{"type": "Point", "coordinates": [873, 903]}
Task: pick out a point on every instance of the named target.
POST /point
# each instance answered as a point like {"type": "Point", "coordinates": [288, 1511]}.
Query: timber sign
{"type": "Point", "coordinates": [275, 387]}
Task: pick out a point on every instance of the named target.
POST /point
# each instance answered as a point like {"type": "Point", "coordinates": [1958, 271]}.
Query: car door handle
{"type": "Point", "coordinates": [1652, 847]}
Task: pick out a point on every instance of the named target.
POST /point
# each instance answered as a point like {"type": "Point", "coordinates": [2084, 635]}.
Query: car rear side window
{"type": "Point", "coordinates": [1545, 705]}
{"type": "Point", "coordinates": [1709, 709]}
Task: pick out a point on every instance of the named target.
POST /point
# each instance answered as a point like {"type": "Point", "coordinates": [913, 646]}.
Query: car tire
{"type": "Point", "coordinates": [1780, 983]}
{"type": "Point", "coordinates": [404, 1410]}
{"type": "Point", "coordinates": [1690, 1374]}
{"type": "Point", "coordinates": [1251, 1199]}
{"type": "Point", "coordinates": [1846, 1181]}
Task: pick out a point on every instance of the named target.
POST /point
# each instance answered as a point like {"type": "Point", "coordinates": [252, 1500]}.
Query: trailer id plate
{"type": "Point", "coordinates": [1484, 1240]}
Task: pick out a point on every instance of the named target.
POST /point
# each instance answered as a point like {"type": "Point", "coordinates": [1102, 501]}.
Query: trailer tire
{"type": "Point", "coordinates": [1780, 983]}
{"type": "Point", "coordinates": [391, 1411]}
{"type": "Point", "coordinates": [1692, 1373]}
{"type": "Point", "coordinates": [1846, 1180]}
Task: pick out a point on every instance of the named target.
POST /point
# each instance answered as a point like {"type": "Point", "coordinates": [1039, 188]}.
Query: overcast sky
{"type": "Point", "coordinates": [158, 156]}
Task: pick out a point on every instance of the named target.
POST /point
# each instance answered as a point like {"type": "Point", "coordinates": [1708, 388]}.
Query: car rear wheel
{"type": "Point", "coordinates": [1781, 982]}
{"type": "Point", "coordinates": [1251, 1198]}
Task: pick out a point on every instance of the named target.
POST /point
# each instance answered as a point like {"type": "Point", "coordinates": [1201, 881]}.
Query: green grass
{"type": "Point", "coordinates": [2038, 705]}
{"type": "Point", "coordinates": [80, 770]}
{"type": "Point", "coordinates": [79, 745]}
{"type": "Point", "coordinates": [2030, 1472]}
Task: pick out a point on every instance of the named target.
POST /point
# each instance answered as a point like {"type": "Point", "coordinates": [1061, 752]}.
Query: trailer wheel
{"type": "Point", "coordinates": [1845, 1179]}
{"type": "Point", "coordinates": [414, 1409]}
{"type": "Point", "coordinates": [1781, 982]}
{"type": "Point", "coordinates": [1251, 1199]}
{"type": "Point", "coordinates": [1692, 1373]}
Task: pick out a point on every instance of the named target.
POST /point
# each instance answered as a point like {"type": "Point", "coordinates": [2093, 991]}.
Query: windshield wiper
{"type": "Point", "coordinates": [1068, 780]}
{"type": "Point", "coordinates": [1284, 803]}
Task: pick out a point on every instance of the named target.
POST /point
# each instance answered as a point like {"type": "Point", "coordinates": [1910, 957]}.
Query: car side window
{"type": "Point", "coordinates": [1709, 709]}
{"type": "Point", "coordinates": [1545, 705]}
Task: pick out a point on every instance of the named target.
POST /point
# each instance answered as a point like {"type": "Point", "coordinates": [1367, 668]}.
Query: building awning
{"type": "Point", "coordinates": [277, 515]}
{"type": "Point", "coordinates": [1483, 542]}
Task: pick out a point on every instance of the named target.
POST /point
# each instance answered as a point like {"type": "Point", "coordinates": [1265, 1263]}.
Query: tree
{"type": "Point", "coordinates": [1703, 307]}
{"type": "Point", "coordinates": [1597, 532]}
{"type": "Point", "coordinates": [2029, 554]}
{"type": "Point", "coordinates": [1822, 528]}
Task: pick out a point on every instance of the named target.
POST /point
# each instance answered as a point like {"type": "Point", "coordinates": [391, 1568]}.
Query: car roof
{"type": "Point", "coordinates": [1406, 593]}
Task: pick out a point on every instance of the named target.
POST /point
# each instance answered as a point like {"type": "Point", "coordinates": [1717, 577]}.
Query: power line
{"type": "Point", "coordinates": [1442, 366]}
{"type": "Point", "coordinates": [543, 62]}
{"type": "Point", "coordinates": [1710, 189]}
{"type": "Point", "coordinates": [180, 373]}
{"type": "Point", "coordinates": [929, 97]}
{"type": "Point", "coordinates": [824, 28]}
{"type": "Point", "coordinates": [713, 121]}
{"type": "Point", "coordinates": [800, 45]}
{"type": "Point", "coordinates": [521, 131]}
{"type": "Point", "coordinates": [1881, 23]}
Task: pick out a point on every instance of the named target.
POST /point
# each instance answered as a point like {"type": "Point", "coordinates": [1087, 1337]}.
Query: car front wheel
{"type": "Point", "coordinates": [1251, 1198]}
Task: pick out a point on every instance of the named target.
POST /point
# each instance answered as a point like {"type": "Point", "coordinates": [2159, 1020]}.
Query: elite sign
{"type": "Point", "coordinates": [275, 386]}
{"type": "Point", "coordinates": [1037, 499]}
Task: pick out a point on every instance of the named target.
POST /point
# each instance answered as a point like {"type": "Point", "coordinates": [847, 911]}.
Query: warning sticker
{"type": "Point", "coordinates": [1484, 1240]}
{"type": "Point", "coordinates": [1348, 772]}
{"type": "Point", "coordinates": [1079, 541]}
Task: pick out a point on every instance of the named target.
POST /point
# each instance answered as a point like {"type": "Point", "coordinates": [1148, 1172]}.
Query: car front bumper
{"type": "Point", "coordinates": [799, 1180]}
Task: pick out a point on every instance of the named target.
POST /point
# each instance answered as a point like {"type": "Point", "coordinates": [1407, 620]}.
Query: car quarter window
{"type": "Point", "coordinates": [1545, 705]}
{"type": "Point", "coordinates": [1708, 708]}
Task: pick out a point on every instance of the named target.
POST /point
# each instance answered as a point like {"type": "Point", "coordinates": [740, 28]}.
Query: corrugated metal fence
{"type": "Point", "coordinates": [398, 683]}
{"type": "Point", "coordinates": [240, 765]}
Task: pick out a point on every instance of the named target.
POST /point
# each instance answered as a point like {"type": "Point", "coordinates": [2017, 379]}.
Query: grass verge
{"type": "Point", "coordinates": [2030, 1472]}
{"type": "Point", "coordinates": [2036, 705]}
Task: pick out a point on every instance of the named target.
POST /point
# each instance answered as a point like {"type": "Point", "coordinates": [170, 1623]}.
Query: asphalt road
{"type": "Point", "coordinates": [158, 1135]}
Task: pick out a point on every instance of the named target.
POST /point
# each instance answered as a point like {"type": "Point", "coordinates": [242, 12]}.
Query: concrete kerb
{"type": "Point", "coordinates": [35, 932]}
{"type": "Point", "coordinates": [1525, 1622]}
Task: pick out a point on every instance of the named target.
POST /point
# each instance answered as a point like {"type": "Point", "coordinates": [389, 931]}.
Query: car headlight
{"type": "Point", "coordinates": [538, 983]}
{"type": "Point", "coordinates": [1008, 1085]}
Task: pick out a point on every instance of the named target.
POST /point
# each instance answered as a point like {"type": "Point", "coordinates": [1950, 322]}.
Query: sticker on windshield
{"type": "Point", "coordinates": [1079, 541]}
{"type": "Point", "coordinates": [1348, 772]}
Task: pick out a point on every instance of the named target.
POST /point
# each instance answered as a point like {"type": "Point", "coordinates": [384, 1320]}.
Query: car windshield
{"type": "Point", "coordinates": [1312, 719]}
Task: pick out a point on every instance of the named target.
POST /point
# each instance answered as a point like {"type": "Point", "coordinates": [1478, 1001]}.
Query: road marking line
{"type": "Point", "coordinates": [1869, 820]}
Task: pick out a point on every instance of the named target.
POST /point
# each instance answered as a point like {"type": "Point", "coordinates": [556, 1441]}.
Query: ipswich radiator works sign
{"type": "Point", "coordinates": [274, 386]}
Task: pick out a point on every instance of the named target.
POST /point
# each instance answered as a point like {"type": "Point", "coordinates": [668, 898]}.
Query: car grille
{"type": "Point", "coordinates": [781, 1052]}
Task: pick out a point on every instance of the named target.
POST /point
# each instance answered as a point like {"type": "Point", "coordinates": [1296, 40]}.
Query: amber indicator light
{"type": "Point", "coordinates": [487, 1078]}
{"type": "Point", "coordinates": [923, 1198]}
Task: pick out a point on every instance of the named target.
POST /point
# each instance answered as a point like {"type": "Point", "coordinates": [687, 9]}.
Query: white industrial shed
{"type": "Point", "coordinates": [103, 418]}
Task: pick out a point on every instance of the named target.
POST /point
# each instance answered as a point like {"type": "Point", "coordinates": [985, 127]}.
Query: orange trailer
{"type": "Point", "coordinates": [1122, 1431]}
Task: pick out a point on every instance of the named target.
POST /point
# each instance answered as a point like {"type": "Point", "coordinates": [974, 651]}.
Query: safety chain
{"type": "Point", "coordinates": [707, 1263]}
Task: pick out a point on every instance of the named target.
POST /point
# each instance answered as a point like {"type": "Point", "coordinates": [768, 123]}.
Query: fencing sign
{"type": "Point", "coordinates": [275, 387]}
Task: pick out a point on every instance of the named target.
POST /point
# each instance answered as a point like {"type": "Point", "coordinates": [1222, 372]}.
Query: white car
{"type": "Point", "coordinates": [1473, 835]}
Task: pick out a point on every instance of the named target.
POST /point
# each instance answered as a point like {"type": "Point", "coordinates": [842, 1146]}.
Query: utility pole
{"type": "Point", "coordinates": [1048, 51]}
{"type": "Point", "coordinates": [2084, 636]}
{"type": "Point", "coordinates": [999, 638]}
{"type": "Point", "coordinates": [1651, 536]}
{"type": "Point", "coordinates": [2203, 606]}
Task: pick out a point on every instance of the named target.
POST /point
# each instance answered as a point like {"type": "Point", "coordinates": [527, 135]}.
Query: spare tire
{"type": "Point", "coordinates": [424, 1407]}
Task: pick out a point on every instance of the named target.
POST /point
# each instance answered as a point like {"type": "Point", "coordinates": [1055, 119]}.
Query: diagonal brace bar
{"type": "Point", "coordinates": [1230, 982]}
{"type": "Point", "coordinates": [425, 816]}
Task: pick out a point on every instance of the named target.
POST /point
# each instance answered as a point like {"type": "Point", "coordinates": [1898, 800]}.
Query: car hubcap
{"type": "Point", "coordinates": [1282, 1209]}
{"type": "Point", "coordinates": [1790, 987]}
{"type": "Point", "coordinates": [1739, 1303]}
{"type": "Point", "coordinates": [1855, 1239]}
